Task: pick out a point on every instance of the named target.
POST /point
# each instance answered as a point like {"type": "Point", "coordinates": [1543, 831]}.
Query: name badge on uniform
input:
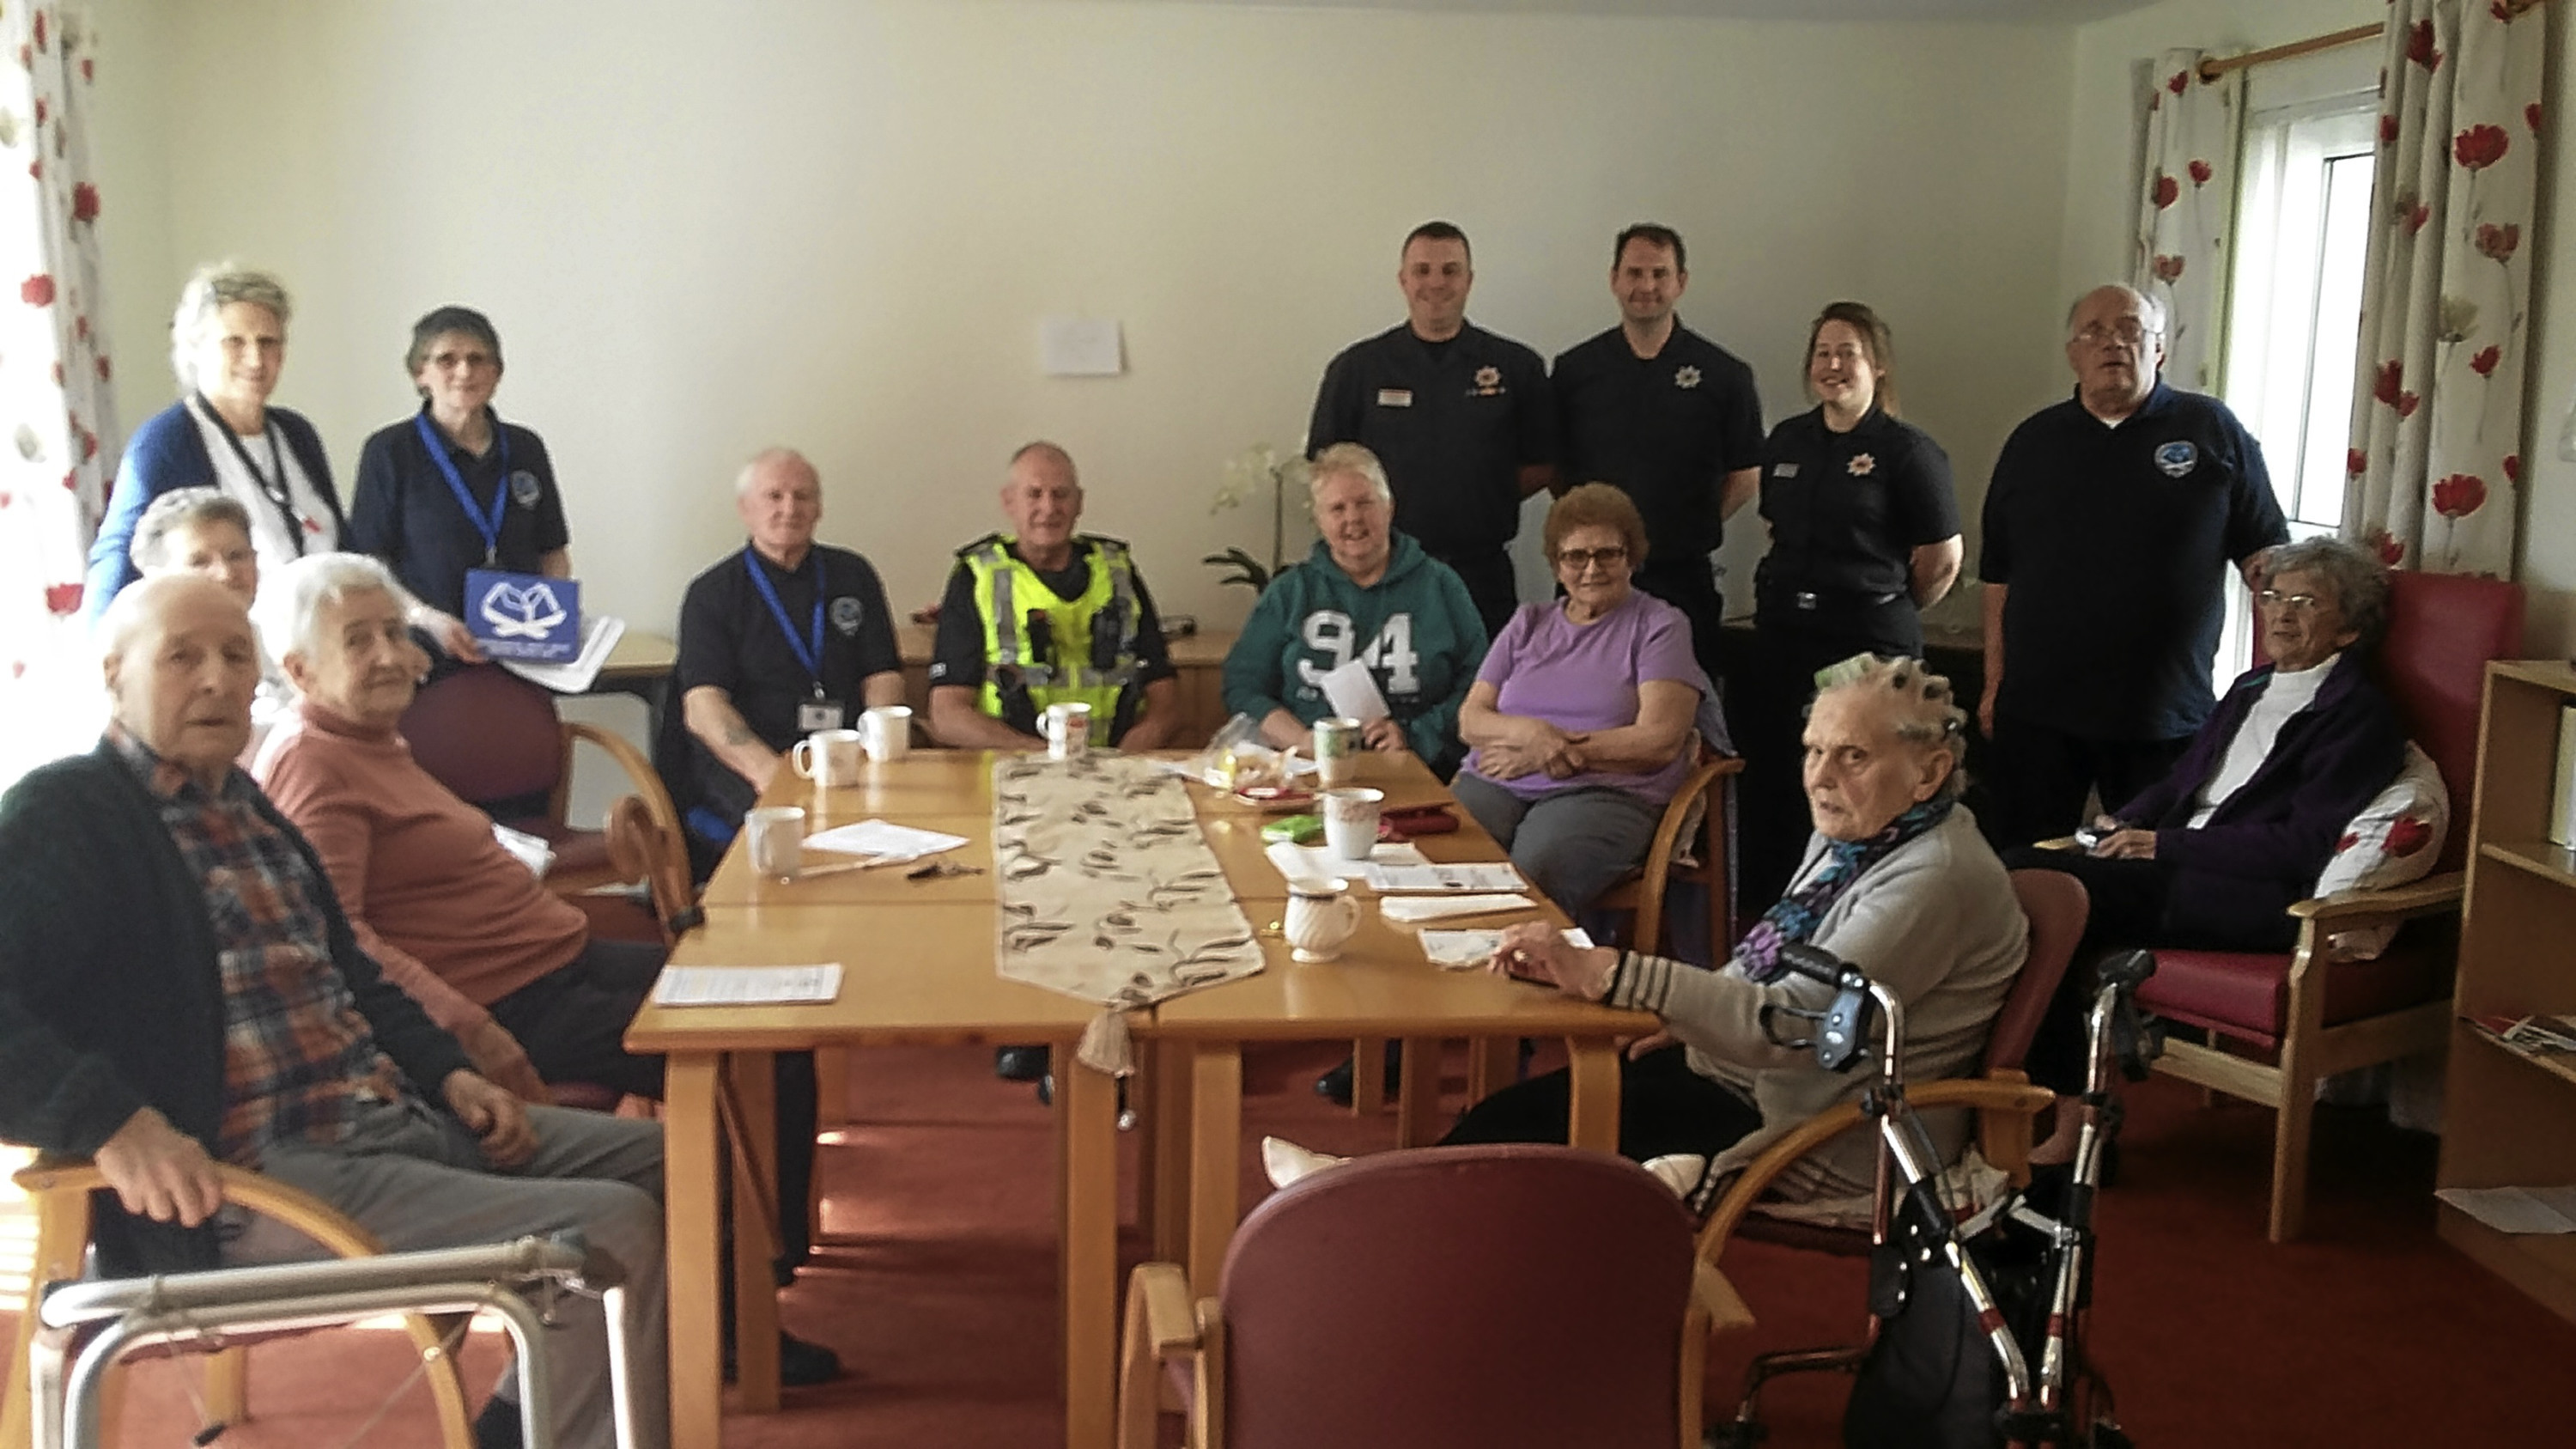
{"type": "Point", "coordinates": [1395, 397]}
{"type": "Point", "coordinates": [523, 616]}
{"type": "Point", "coordinates": [1784, 470]}
{"type": "Point", "coordinates": [2177, 458]}
{"type": "Point", "coordinates": [820, 714]}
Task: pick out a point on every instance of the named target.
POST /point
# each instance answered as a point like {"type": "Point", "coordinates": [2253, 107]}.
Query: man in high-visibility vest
{"type": "Point", "coordinates": [1043, 615]}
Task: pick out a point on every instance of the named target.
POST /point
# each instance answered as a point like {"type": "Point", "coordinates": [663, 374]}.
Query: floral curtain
{"type": "Point", "coordinates": [2437, 415]}
{"type": "Point", "coordinates": [58, 434]}
{"type": "Point", "coordinates": [2187, 218]}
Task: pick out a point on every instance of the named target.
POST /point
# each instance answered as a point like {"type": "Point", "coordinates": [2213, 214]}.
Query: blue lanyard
{"type": "Point", "coordinates": [486, 524]}
{"type": "Point", "coordinates": [808, 654]}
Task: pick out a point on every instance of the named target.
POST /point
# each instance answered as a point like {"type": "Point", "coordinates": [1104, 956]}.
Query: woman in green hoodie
{"type": "Point", "coordinates": [1367, 594]}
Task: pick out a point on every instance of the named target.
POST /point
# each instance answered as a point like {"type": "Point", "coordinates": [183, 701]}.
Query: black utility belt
{"type": "Point", "coordinates": [1816, 601]}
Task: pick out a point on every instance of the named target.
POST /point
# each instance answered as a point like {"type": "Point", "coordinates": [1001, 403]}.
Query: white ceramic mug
{"type": "Point", "coordinates": [1067, 728]}
{"type": "Point", "coordinates": [829, 758]}
{"type": "Point", "coordinates": [776, 841]}
{"type": "Point", "coordinates": [1337, 751]}
{"type": "Point", "coordinates": [888, 731]}
{"type": "Point", "coordinates": [1350, 821]}
{"type": "Point", "coordinates": [1321, 917]}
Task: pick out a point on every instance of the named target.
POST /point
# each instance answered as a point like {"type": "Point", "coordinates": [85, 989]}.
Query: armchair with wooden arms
{"type": "Point", "coordinates": [2277, 1024]}
{"type": "Point", "coordinates": [496, 740]}
{"type": "Point", "coordinates": [1495, 1296]}
{"type": "Point", "coordinates": [60, 1192]}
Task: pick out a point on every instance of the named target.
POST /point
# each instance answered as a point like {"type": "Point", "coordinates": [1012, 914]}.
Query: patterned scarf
{"type": "Point", "coordinates": [1795, 917]}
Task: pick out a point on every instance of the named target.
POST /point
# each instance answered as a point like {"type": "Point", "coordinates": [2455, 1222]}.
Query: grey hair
{"type": "Point", "coordinates": [140, 603]}
{"type": "Point", "coordinates": [1353, 459]}
{"type": "Point", "coordinates": [2358, 582]}
{"type": "Point", "coordinates": [743, 480]}
{"type": "Point", "coordinates": [1052, 450]}
{"type": "Point", "coordinates": [1926, 714]}
{"type": "Point", "coordinates": [2151, 313]}
{"type": "Point", "coordinates": [177, 511]}
{"type": "Point", "coordinates": [289, 611]}
{"type": "Point", "coordinates": [211, 289]}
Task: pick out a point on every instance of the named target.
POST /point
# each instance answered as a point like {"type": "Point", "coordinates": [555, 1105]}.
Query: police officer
{"type": "Point", "coordinates": [2108, 529]}
{"type": "Point", "coordinates": [1864, 536]}
{"type": "Point", "coordinates": [783, 638]}
{"type": "Point", "coordinates": [1458, 415]}
{"type": "Point", "coordinates": [1667, 417]}
{"type": "Point", "coordinates": [1043, 615]}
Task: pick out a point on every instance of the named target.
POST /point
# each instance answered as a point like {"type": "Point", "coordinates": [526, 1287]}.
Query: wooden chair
{"type": "Point", "coordinates": [1642, 894]}
{"type": "Point", "coordinates": [1521, 1294]}
{"type": "Point", "coordinates": [60, 1192]}
{"type": "Point", "coordinates": [2277, 1024]}
{"type": "Point", "coordinates": [496, 740]}
{"type": "Point", "coordinates": [2004, 1100]}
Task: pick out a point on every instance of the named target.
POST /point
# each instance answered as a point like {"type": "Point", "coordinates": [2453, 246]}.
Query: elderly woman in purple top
{"type": "Point", "coordinates": [1580, 720]}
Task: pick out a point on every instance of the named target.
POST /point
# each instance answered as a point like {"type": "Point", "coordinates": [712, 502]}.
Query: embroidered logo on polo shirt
{"type": "Point", "coordinates": [1395, 397]}
{"type": "Point", "coordinates": [1489, 382]}
{"type": "Point", "coordinates": [1861, 465]}
{"type": "Point", "coordinates": [1685, 377]}
{"type": "Point", "coordinates": [2177, 458]}
{"type": "Point", "coordinates": [845, 614]}
{"type": "Point", "coordinates": [523, 488]}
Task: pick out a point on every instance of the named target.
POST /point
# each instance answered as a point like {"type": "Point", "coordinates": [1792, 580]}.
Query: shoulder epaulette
{"type": "Point", "coordinates": [978, 545]}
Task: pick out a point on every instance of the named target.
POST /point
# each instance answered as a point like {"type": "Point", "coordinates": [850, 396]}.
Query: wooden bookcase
{"type": "Point", "coordinates": [2509, 1119]}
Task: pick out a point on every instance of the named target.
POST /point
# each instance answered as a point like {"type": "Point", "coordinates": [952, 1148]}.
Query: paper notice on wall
{"type": "Point", "coordinates": [1080, 347]}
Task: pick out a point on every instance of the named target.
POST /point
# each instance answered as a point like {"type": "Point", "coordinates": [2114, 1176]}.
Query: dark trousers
{"type": "Point", "coordinates": [572, 1024]}
{"type": "Point", "coordinates": [1664, 1108]}
{"type": "Point", "coordinates": [2039, 776]}
{"type": "Point", "coordinates": [1684, 582]}
{"type": "Point", "coordinates": [1768, 714]}
{"type": "Point", "coordinates": [1487, 573]}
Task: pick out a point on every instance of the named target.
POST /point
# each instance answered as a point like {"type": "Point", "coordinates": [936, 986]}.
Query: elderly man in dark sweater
{"type": "Point", "coordinates": [178, 986]}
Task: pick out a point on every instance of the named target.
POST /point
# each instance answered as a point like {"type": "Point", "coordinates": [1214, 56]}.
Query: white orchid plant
{"type": "Point", "coordinates": [1258, 470]}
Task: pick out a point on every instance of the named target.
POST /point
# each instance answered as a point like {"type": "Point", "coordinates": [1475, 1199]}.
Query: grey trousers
{"type": "Point", "coordinates": [1574, 844]}
{"type": "Point", "coordinates": [416, 1178]}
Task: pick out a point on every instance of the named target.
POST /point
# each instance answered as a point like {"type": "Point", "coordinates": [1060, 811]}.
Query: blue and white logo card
{"type": "Point", "coordinates": [524, 616]}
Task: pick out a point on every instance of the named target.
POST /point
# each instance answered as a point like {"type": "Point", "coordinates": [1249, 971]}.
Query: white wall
{"type": "Point", "coordinates": [703, 229]}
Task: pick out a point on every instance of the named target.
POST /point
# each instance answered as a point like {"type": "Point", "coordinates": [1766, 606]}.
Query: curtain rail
{"type": "Point", "coordinates": [2211, 69]}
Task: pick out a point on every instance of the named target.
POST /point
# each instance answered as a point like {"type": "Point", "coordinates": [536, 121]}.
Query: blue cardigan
{"type": "Point", "coordinates": [2264, 845]}
{"type": "Point", "coordinates": [166, 454]}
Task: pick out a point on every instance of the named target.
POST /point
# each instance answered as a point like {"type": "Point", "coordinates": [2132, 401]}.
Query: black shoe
{"type": "Point", "coordinates": [801, 1365]}
{"type": "Point", "coordinates": [1020, 1063]}
{"type": "Point", "coordinates": [497, 1427]}
{"type": "Point", "coordinates": [1335, 1085]}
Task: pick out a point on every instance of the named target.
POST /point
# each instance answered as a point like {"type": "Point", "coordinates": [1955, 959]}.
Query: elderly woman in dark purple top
{"type": "Point", "coordinates": [2214, 854]}
{"type": "Point", "coordinates": [1580, 720]}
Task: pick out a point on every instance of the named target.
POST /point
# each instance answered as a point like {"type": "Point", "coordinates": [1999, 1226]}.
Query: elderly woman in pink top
{"type": "Point", "coordinates": [1580, 720]}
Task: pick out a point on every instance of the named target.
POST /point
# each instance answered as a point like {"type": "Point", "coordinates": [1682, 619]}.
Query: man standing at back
{"type": "Point", "coordinates": [1667, 417]}
{"type": "Point", "coordinates": [1459, 417]}
{"type": "Point", "coordinates": [2108, 529]}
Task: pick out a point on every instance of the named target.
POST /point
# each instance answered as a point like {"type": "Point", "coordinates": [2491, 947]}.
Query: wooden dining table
{"type": "Point", "coordinates": [918, 962]}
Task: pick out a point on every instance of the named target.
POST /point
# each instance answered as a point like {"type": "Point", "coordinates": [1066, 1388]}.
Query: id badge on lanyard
{"type": "Point", "coordinates": [487, 522]}
{"type": "Point", "coordinates": [819, 711]}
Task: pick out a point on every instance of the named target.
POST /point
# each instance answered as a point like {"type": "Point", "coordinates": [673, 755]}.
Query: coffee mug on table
{"type": "Point", "coordinates": [776, 838]}
{"type": "Point", "coordinates": [888, 731]}
{"type": "Point", "coordinates": [1337, 751]}
{"type": "Point", "coordinates": [1068, 730]}
{"type": "Point", "coordinates": [829, 758]}
{"type": "Point", "coordinates": [1321, 917]}
{"type": "Point", "coordinates": [1350, 821]}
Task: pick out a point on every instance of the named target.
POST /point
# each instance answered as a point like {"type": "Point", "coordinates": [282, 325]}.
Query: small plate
{"type": "Point", "coordinates": [1275, 799]}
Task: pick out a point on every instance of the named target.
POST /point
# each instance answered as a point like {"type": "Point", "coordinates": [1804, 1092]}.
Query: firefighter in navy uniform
{"type": "Point", "coordinates": [1042, 615]}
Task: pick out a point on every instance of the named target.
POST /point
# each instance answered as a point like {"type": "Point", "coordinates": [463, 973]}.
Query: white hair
{"type": "Point", "coordinates": [750, 473]}
{"type": "Point", "coordinates": [289, 611]}
{"type": "Point", "coordinates": [1917, 701]}
{"type": "Point", "coordinates": [2151, 313]}
{"type": "Point", "coordinates": [1354, 460]}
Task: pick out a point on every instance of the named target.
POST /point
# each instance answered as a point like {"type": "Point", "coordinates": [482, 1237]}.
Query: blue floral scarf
{"type": "Point", "coordinates": [1794, 919]}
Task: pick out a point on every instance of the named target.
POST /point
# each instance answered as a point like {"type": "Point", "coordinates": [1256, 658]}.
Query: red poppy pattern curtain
{"type": "Point", "coordinates": [2437, 419]}
{"type": "Point", "coordinates": [58, 432]}
{"type": "Point", "coordinates": [2186, 219]}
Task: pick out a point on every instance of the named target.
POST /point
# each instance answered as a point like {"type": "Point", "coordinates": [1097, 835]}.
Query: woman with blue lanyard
{"type": "Point", "coordinates": [227, 345]}
{"type": "Point", "coordinates": [453, 488]}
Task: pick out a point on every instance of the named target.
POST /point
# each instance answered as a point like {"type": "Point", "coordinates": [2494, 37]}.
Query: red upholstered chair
{"type": "Point", "coordinates": [1481, 1297]}
{"type": "Point", "coordinates": [496, 740]}
{"type": "Point", "coordinates": [2276, 1025]}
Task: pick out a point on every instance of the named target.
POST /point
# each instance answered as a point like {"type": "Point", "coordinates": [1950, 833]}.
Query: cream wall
{"type": "Point", "coordinates": [703, 229]}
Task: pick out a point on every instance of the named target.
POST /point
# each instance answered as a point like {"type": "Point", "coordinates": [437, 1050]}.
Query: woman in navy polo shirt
{"type": "Point", "coordinates": [452, 487]}
{"type": "Point", "coordinates": [1864, 536]}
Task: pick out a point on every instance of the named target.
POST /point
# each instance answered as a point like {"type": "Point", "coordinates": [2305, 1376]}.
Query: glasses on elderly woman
{"type": "Point", "coordinates": [1581, 560]}
{"type": "Point", "coordinates": [2293, 603]}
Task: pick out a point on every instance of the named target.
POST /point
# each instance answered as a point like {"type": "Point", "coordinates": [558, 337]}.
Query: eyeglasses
{"type": "Point", "coordinates": [2294, 603]}
{"type": "Point", "coordinates": [1582, 559]}
{"type": "Point", "coordinates": [2128, 332]}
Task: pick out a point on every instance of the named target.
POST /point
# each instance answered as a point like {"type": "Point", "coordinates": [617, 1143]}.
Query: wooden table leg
{"type": "Point", "coordinates": [1087, 1117]}
{"type": "Point", "coordinates": [1368, 1076]}
{"type": "Point", "coordinates": [1167, 1130]}
{"type": "Point", "coordinates": [1595, 1109]}
{"type": "Point", "coordinates": [1417, 1098]}
{"type": "Point", "coordinates": [1492, 1063]}
{"type": "Point", "coordinates": [1216, 1158]}
{"type": "Point", "coordinates": [831, 1089]}
{"type": "Point", "coordinates": [755, 1232]}
{"type": "Point", "coordinates": [690, 1191]}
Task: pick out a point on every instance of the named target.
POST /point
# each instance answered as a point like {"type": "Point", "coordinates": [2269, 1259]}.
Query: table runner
{"type": "Point", "coordinates": [1108, 891]}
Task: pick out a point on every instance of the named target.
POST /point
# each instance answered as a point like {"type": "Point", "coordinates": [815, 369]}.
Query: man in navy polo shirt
{"type": "Point", "coordinates": [782, 638]}
{"type": "Point", "coordinates": [2108, 529]}
{"type": "Point", "coordinates": [1667, 417]}
{"type": "Point", "coordinates": [1458, 415]}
